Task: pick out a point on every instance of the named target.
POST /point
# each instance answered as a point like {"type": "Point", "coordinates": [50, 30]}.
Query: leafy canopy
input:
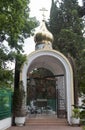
{"type": "Point", "coordinates": [68, 29]}
{"type": "Point", "coordinates": [15, 25]}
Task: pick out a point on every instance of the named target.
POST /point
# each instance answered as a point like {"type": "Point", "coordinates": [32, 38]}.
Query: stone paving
{"type": "Point", "coordinates": [46, 127]}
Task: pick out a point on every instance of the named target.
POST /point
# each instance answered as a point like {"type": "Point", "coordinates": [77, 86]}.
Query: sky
{"type": "Point", "coordinates": [35, 6]}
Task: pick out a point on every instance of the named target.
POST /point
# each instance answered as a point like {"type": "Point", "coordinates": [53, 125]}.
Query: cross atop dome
{"type": "Point", "coordinates": [43, 12]}
{"type": "Point", "coordinates": [43, 38]}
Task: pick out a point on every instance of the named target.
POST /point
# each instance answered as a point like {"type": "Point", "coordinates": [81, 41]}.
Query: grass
{"type": "Point", "coordinates": [83, 127]}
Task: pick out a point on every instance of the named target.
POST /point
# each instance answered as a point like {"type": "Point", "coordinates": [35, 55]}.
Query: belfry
{"type": "Point", "coordinates": [60, 97]}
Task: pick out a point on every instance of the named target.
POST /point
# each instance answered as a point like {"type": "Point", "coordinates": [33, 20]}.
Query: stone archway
{"type": "Point", "coordinates": [58, 64]}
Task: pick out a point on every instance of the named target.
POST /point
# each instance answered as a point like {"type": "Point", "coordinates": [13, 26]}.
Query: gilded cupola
{"type": "Point", "coordinates": [43, 38]}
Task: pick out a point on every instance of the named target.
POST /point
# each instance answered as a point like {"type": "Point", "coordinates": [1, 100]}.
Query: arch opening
{"type": "Point", "coordinates": [58, 65]}
{"type": "Point", "coordinates": [42, 92]}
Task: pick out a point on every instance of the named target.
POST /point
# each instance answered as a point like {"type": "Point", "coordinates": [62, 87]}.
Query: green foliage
{"type": "Point", "coordinates": [76, 113]}
{"type": "Point", "coordinates": [83, 127]}
{"type": "Point", "coordinates": [82, 117]}
{"type": "Point", "coordinates": [65, 18]}
{"type": "Point", "coordinates": [20, 59]}
{"type": "Point", "coordinates": [15, 24]}
{"type": "Point", "coordinates": [19, 101]}
{"type": "Point", "coordinates": [68, 31]}
{"type": "Point", "coordinates": [6, 78]}
{"type": "Point", "coordinates": [82, 72]}
{"type": "Point", "coordinates": [82, 114]}
{"type": "Point", "coordinates": [6, 74]}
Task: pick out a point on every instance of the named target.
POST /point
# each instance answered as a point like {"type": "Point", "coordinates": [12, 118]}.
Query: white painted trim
{"type": "Point", "coordinates": [5, 123]}
{"type": "Point", "coordinates": [68, 70]}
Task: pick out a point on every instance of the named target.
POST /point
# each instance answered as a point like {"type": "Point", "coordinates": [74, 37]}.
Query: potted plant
{"type": "Point", "coordinates": [82, 117]}
{"type": "Point", "coordinates": [75, 119]}
{"type": "Point", "coordinates": [82, 113]}
{"type": "Point", "coordinates": [19, 105]}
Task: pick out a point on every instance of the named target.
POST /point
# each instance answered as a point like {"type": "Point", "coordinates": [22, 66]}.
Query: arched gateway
{"type": "Point", "coordinates": [45, 57]}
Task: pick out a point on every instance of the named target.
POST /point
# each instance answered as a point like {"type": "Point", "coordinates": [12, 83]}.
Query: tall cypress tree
{"type": "Point", "coordinates": [68, 30]}
{"type": "Point", "coordinates": [66, 27]}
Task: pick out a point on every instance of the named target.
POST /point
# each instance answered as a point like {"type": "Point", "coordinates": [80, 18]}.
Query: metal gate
{"type": "Point", "coordinates": [61, 98]}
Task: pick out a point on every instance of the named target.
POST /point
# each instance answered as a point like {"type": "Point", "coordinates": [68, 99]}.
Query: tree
{"type": "Point", "coordinates": [15, 26]}
{"type": "Point", "coordinates": [6, 75]}
{"type": "Point", "coordinates": [68, 30]}
{"type": "Point", "coordinates": [15, 23]}
{"type": "Point", "coordinates": [66, 26]}
{"type": "Point", "coordinates": [81, 9]}
{"type": "Point", "coordinates": [19, 60]}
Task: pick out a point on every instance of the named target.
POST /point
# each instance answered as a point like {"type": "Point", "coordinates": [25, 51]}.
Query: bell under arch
{"type": "Point", "coordinates": [58, 64]}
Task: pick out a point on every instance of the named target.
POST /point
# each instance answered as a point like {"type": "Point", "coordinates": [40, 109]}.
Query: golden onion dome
{"type": "Point", "coordinates": [43, 36]}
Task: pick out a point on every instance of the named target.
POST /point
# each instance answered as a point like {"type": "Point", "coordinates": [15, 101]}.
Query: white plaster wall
{"type": "Point", "coordinates": [68, 71]}
{"type": "Point", "coordinates": [5, 123]}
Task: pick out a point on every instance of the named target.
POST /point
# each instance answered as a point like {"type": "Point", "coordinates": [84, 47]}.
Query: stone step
{"type": "Point", "coordinates": [46, 121]}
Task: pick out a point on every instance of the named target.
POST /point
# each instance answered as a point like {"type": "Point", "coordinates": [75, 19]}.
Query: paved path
{"type": "Point", "coordinates": [46, 127]}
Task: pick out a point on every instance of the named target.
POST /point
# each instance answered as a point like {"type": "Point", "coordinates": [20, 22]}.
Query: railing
{"type": "Point", "coordinates": [5, 103]}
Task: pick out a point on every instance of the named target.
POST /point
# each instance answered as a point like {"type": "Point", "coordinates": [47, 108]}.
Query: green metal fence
{"type": "Point", "coordinates": [5, 103]}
